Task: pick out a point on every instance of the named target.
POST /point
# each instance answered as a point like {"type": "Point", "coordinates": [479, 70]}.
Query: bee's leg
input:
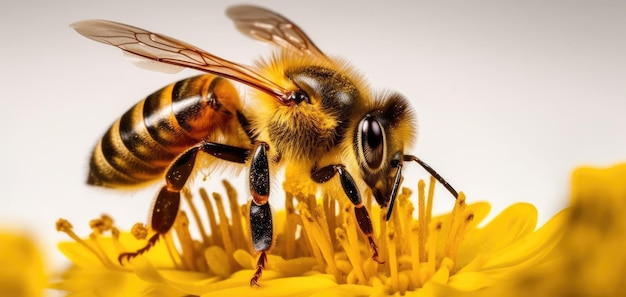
{"type": "Point", "coordinates": [164, 212]}
{"type": "Point", "coordinates": [433, 173]}
{"type": "Point", "coordinates": [321, 175]}
{"type": "Point", "coordinates": [167, 202]}
{"type": "Point", "coordinates": [261, 221]}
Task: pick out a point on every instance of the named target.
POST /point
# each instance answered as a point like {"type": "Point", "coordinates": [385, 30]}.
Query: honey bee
{"type": "Point", "coordinates": [309, 111]}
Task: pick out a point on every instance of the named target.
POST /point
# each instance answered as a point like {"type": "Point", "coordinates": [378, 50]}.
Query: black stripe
{"type": "Point", "coordinates": [135, 137]}
{"type": "Point", "coordinates": [187, 100]}
{"type": "Point", "coordinates": [121, 160]}
{"type": "Point", "coordinates": [157, 117]}
{"type": "Point", "coordinates": [103, 175]}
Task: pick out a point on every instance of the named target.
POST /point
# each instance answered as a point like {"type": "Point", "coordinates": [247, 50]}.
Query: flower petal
{"type": "Point", "coordinates": [21, 271]}
{"type": "Point", "coordinates": [290, 286]}
{"type": "Point", "coordinates": [344, 291]}
{"type": "Point", "coordinates": [513, 223]}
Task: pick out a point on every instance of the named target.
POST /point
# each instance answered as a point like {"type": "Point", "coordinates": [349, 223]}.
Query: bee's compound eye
{"type": "Point", "coordinates": [300, 96]}
{"type": "Point", "coordinates": [371, 141]}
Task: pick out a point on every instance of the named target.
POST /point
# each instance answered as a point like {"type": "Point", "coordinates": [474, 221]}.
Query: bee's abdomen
{"type": "Point", "coordinates": [139, 146]}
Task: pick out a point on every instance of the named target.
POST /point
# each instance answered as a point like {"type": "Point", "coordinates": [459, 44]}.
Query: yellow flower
{"type": "Point", "coordinates": [595, 242]}
{"type": "Point", "coordinates": [590, 260]}
{"type": "Point", "coordinates": [318, 251]}
{"type": "Point", "coordinates": [21, 271]}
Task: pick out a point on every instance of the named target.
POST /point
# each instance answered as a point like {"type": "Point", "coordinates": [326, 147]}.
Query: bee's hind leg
{"type": "Point", "coordinates": [164, 213]}
{"type": "Point", "coordinates": [167, 202]}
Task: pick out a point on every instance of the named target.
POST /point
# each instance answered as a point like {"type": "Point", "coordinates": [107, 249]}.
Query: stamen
{"type": "Point", "coordinates": [215, 238]}
{"type": "Point", "coordinates": [102, 224]}
{"type": "Point", "coordinates": [323, 222]}
{"type": "Point", "coordinates": [431, 197]}
{"type": "Point", "coordinates": [443, 273]}
{"type": "Point", "coordinates": [423, 222]}
{"type": "Point", "coordinates": [115, 235]}
{"type": "Point", "coordinates": [404, 220]}
{"type": "Point", "coordinates": [350, 225]}
{"type": "Point", "coordinates": [95, 236]}
{"type": "Point", "coordinates": [353, 254]}
{"type": "Point", "coordinates": [139, 231]}
{"type": "Point", "coordinates": [63, 225]}
{"type": "Point", "coordinates": [322, 248]}
{"type": "Point", "coordinates": [431, 245]}
{"type": "Point", "coordinates": [408, 245]}
{"type": "Point", "coordinates": [218, 261]}
{"type": "Point", "coordinates": [392, 258]}
{"type": "Point", "coordinates": [455, 234]}
{"type": "Point", "coordinates": [196, 215]}
{"type": "Point", "coordinates": [99, 226]}
{"type": "Point", "coordinates": [229, 248]}
{"type": "Point", "coordinates": [238, 236]}
{"type": "Point", "coordinates": [382, 238]}
{"type": "Point", "coordinates": [330, 209]}
{"type": "Point", "coordinates": [168, 238]}
{"type": "Point", "coordinates": [290, 227]}
{"type": "Point", "coordinates": [188, 251]}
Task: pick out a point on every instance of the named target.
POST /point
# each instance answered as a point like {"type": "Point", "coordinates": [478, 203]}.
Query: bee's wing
{"type": "Point", "coordinates": [161, 48]}
{"type": "Point", "coordinates": [268, 26]}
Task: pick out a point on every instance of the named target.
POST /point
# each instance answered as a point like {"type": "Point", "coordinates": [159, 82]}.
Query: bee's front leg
{"type": "Point", "coordinates": [321, 175]}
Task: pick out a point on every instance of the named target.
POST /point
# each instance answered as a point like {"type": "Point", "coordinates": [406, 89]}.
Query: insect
{"type": "Point", "coordinates": [308, 110]}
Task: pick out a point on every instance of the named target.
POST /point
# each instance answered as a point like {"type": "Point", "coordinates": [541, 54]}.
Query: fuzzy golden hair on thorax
{"type": "Point", "coordinates": [336, 92]}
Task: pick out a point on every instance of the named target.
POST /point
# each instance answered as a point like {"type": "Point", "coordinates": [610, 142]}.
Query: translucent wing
{"type": "Point", "coordinates": [161, 48]}
{"type": "Point", "coordinates": [265, 25]}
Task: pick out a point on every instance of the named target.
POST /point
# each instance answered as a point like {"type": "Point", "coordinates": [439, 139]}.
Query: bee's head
{"type": "Point", "coordinates": [380, 139]}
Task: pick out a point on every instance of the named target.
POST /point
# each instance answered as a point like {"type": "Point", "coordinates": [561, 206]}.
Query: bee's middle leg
{"type": "Point", "coordinates": [261, 221]}
{"type": "Point", "coordinates": [167, 201]}
{"type": "Point", "coordinates": [322, 175]}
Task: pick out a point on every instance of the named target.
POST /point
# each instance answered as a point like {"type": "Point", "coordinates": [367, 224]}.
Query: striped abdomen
{"type": "Point", "coordinates": [141, 144]}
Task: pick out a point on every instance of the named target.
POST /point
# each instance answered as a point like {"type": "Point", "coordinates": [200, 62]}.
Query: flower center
{"type": "Point", "coordinates": [314, 235]}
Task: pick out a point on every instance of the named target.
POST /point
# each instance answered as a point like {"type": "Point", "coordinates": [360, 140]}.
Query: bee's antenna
{"type": "Point", "coordinates": [394, 190]}
{"type": "Point", "coordinates": [433, 173]}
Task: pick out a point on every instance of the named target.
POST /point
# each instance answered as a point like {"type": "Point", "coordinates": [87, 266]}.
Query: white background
{"type": "Point", "coordinates": [511, 95]}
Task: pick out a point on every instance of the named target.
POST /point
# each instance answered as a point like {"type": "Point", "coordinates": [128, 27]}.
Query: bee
{"type": "Point", "coordinates": [310, 111]}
